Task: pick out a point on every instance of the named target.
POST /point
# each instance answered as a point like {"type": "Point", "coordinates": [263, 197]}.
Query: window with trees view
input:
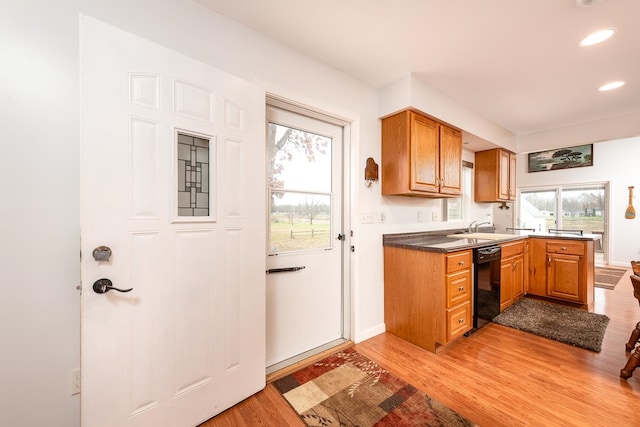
{"type": "Point", "coordinates": [579, 207]}
{"type": "Point", "coordinates": [299, 179]}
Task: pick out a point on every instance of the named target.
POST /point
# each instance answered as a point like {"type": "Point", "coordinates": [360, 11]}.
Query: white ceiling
{"type": "Point", "coordinates": [515, 62]}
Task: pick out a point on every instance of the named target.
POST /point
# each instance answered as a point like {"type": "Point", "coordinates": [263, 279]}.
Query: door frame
{"type": "Point", "coordinates": [274, 100]}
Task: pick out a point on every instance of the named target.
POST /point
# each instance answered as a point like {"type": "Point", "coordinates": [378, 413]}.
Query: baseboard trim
{"type": "Point", "coordinates": [370, 333]}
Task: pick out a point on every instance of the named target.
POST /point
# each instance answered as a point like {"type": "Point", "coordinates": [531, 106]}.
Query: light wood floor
{"type": "Point", "coordinates": [501, 377]}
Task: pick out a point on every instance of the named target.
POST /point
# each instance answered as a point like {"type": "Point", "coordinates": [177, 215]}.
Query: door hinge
{"type": "Point", "coordinates": [353, 248]}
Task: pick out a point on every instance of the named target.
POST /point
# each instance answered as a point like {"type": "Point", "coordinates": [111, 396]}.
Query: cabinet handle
{"type": "Point", "coordinates": [460, 320]}
{"type": "Point", "coordinates": [461, 288]}
{"type": "Point", "coordinates": [461, 263]}
{"type": "Point", "coordinates": [549, 262]}
{"type": "Point", "coordinates": [513, 267]}
{"type": "Point", "coordinates": [564, 248]}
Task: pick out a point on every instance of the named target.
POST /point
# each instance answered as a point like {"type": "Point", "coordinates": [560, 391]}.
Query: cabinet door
{"type": "Point", "coordinates": [518, 276]}
{"type": "Point", "coordinates": [450, 160]}
{"type": "Point", "coordinates": [564, 276]}
{"type": "Point", "coordinates": [512, 176]}
{"type": "Point", "coordinates": [506, 283]}
{"type": "Point", "coordinates": [537, 267]}
{"type": "Point", "coordinates": [424, 160]}
{"type": "Point", "coordinates": [503, 175]}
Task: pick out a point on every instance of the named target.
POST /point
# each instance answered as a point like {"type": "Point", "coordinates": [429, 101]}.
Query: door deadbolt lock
{"type": "Point", "coordinates": [102, 253]}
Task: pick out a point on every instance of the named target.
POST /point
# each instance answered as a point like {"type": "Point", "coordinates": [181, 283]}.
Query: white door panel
{"type": "Point", "coordinates": [188, 341]}
{"type": "Point", "coordinates": [304, 307]}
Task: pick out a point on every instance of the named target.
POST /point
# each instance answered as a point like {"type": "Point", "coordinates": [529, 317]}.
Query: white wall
{"type": "Point", "coordinates": [606, 129]}
{"type": "Point", "coordinates": [411, 91]}
{"type": "Point", "coordinates": [39, 249]}
{"type": "Point", "coordinates": [616, 162]}
{"type": "Point", "coordinates": [39, 305]}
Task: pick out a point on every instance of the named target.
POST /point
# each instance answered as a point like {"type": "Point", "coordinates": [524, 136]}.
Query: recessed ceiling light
{"type": "Point", "coordinates": [586, 3]}
{"type": "Point", "coordinates": [597, 37]}
{"type": "Point", "coordinates": [611, 86]}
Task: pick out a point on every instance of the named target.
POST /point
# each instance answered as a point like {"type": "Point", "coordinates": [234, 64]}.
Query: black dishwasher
{"type": "Point", "coordinates": [486, 285]}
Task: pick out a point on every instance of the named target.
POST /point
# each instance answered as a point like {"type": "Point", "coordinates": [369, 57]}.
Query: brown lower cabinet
{"type": "Point", "coordinates": [562, 270]}
{"type": "Point", "coordinates": [427, 295]}
{"type": "Point", "coordinates": [512, 273]}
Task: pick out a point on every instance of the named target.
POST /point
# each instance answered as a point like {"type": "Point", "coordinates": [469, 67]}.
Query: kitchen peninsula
{"type": "Point", "coordinates": [429, 285]}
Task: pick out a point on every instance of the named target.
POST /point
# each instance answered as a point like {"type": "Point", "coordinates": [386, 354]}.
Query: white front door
{"type": "Point", "coordinates": [173, 184]}
{"type": "Point", "coordinates": [305, 294]}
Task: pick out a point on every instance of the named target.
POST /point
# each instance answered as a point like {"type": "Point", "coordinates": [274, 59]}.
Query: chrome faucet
{"type": "Point", "coordinates": [481, 223]}
{"type": "Point", "coordinates": [474, 228]}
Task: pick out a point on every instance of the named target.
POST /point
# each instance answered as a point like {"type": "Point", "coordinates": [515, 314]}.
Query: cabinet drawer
{"type": "Point", "coordinates": [457, 261]}
{"type": "Point", "coordinates": [573, 248]}
{"type": "Point", "coordinates": [511, 249]}
{"type": "Point", "coordinates": [458, 288]}
{"type": "Point", "coordinates": [458, 321]}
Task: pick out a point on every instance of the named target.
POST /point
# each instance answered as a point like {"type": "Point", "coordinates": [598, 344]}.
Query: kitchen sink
{"type": "Point", "coordinates": [483, 236]}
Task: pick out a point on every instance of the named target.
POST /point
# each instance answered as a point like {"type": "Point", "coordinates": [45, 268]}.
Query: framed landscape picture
{"type": "Point", "coordinates": [561, 158]}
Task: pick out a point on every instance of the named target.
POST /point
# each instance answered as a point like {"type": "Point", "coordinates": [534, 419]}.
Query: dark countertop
{"type": "Point", "coordinates": [437, 241]}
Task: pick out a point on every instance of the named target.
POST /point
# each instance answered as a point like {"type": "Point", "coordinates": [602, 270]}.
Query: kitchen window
{"type": "Point", "coordinates": [457, 209]}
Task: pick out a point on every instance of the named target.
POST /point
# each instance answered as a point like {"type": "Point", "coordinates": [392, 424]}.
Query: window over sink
{"type": "Point", "coordinates": [458, 208]}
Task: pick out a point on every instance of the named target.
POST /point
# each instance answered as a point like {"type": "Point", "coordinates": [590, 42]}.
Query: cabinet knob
{"type": "Point", "coordinates": [564, 248]}
{"type": "Point", "coordinates": [460, 320]}
{"type": "Point", "coordinates": [461, 288]}
{"type": "Point", "coordinates": [461, 263]}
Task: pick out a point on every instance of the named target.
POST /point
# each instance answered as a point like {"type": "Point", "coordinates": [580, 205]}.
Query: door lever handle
{"type": "Point", "coordinates": [285, 270]}
{"type": "Point", "coordinates": [102, 286]}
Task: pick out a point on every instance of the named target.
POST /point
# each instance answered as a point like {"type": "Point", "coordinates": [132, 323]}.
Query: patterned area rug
{"type": "Point", "coordinates": [608, 278]}
{"type": "Point", "coordinates": [565, 324]}
{"type": "Point", "coordinates": [347, 389]}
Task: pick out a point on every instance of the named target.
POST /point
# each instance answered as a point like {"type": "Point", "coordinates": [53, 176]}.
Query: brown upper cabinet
{"type": "Point", "coordinates": [420, 156]}
{"type": "Point", "coordinates": [495, 176]}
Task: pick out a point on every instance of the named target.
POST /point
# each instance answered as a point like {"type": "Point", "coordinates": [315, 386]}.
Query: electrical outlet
{"type": "Point", "coordinates": [74, 381]}
{"type": "Point", "coordinates": [422, 216]}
